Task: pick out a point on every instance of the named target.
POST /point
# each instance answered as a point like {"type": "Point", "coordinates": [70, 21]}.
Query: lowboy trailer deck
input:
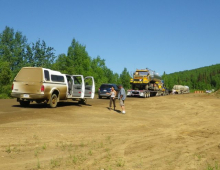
{"type": "Point", "coordinates": [144, 93]}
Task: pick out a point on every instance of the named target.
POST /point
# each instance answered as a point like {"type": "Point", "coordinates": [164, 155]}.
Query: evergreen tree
{"type": "Point", "coordinates": [125, 78]}
{"type": "Point", "coordinates": [199, 79]}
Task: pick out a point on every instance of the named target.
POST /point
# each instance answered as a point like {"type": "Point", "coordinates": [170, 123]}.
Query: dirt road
{"type": "Point", "coordinates": [175, 132]}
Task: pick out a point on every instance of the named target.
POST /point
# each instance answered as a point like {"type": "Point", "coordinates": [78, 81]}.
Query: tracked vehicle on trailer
{"type": "Point", "coordinates": [146, 83]}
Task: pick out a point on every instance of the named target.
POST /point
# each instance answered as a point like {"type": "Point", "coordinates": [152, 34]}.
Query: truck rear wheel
{"type": "Point", "coordinates": [24, 103]}
{"type": "Point", "coordinates": [53, 101]}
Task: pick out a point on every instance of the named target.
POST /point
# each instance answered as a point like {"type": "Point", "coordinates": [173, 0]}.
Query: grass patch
{"type": "Point", "coordinates": [90, 153]}
{"type": "Point", "coordinates": [8, 149]}
{"type": "Point", "coordinates": [38, 164]}
{"type": "Point", "coordinates": [101, 145]}
{"type": "Point", "coordinates": [54, 163]}
{"type": "Point", "coordinates": [75, 159]}
{"type": "Point", "coordinates": [108, 139]}
{"type": "Point", "coordinates": [215, 167]}
{"type": "Point", "coordinates": [120, 162]}
{"type": "Point", "coordinates": [82, 144]}
{"type": "Point", "coordinates": [36, 152]}
{"type": "Point", "coordinates": [44, 147]}
{"type": "Point", "coordinates": [35, 137]}
{"type": "Point", "coordinates": [65, 146]}
{"type": "Point", "coordinates": [198, 156]}
{"type": "Point", "coordinates": [108, 154]}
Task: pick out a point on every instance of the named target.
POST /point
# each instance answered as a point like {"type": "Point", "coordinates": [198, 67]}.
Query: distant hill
{"type": "Point", "coordinates": [199, 79]}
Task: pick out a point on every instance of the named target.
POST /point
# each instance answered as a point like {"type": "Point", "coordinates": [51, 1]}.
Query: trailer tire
{"type": "Point", "coordinates": [146, 87]}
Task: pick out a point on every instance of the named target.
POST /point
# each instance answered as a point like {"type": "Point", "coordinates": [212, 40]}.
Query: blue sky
{"type": "Point", "coordinates": [163, 35]}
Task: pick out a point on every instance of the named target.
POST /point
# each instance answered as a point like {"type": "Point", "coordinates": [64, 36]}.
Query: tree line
{"type": "Point", "coordinates": [16, 52]}
{"type": "Point", "coordinates": [203, 78]}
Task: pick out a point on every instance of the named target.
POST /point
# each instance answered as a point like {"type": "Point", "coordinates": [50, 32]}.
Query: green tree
{"type": "Point", "coordinates": [13, 48]}
{"type": "Point", "coordinates": [125, 78]}
{"type": "Point", "coordinates": [39, 55]}
{"type": "Point", "coordinates": [5, 79]}
{"type": "Point", "coordinates": [79, 58]}
{"type": "Point", "coordinates": [63, 64]}
{"type": "Point", "coordinates": [15, 53]}
{"type": "Point", "coordinates": [97, 71]}
{"type": "Point", "coordinates": [198, 79]}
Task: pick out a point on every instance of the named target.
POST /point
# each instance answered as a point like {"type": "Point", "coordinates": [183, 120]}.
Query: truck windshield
{"type": "Point", "coordinates": [143, 73]}
{"type": "Point", "coordinates": [29, 75]}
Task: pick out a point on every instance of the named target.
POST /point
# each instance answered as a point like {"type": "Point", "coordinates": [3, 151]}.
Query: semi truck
{"type": "Point", "coordinates": [146, 83]}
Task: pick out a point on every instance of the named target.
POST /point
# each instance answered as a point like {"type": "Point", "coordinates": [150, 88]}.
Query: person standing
{"type": "Point", "coordinates": [122, 97]}
{"type": "Point", "coordinates": [112, 98]}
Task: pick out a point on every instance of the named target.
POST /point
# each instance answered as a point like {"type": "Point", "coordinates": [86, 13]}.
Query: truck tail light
{"type": "Point", "coordinates": [42, 88]}
{"type": "Point", "coordinates": [12, 87]}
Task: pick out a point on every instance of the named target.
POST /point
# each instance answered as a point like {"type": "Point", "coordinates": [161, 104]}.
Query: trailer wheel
{"type": "Point", "coordinates": [53, 101]}
{"type": "Point", "coordinates": [146, 87]}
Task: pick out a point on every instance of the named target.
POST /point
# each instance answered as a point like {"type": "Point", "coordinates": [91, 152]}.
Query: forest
{"type": "Point", "coordinates": [204, 78]}
{"type": "Point", "coordinates": [16, 52]}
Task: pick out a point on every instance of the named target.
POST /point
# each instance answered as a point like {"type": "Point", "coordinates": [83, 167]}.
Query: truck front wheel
{"type": "Point", "coordinates": [53, 101]}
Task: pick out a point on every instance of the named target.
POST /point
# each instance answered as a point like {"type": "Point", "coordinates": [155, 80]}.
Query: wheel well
{"type": "Point", "coordinates": [56, 92]}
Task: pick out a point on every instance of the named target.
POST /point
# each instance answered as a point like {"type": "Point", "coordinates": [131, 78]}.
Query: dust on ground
{"type": "Point", "coordinates": [174, 132]}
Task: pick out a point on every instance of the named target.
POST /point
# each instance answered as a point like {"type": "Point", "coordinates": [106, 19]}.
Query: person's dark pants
{"type": "Point", "coordinates": [112, 101]}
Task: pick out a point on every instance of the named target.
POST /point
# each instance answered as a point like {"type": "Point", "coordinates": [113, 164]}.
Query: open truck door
{"type": "Point", "coordinates": [78, 86]}
{"type": "Point", "coordinates": [89, 87]}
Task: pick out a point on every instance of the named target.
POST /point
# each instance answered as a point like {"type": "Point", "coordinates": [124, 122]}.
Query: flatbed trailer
{"type": "Point", "coordinates": [146, 83]}
{"type": "Point", "coordinates": [144, 93]}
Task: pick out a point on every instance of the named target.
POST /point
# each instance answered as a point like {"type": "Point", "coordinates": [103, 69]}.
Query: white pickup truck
{"type": "Point", "coordinates": [43, 85]}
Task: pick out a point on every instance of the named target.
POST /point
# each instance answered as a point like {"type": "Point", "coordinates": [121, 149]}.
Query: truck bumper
{"type": "Point", "coordinates": [135, 93]}
{"type": "Point", "coordinates": [24, 96]}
